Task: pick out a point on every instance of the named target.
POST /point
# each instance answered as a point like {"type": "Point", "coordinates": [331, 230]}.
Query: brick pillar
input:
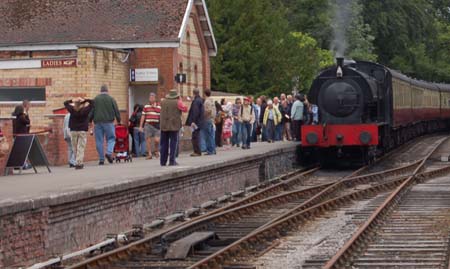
{"type": "Point", "coordinates": [53, 143]}
{"type": "Point", "coordinates": [124, 116]}
{"type": "Point", "coordinates": [6, 143]}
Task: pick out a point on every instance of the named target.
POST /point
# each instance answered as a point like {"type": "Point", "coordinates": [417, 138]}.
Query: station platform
{"type": "Point", "coordinates": [47, 214]}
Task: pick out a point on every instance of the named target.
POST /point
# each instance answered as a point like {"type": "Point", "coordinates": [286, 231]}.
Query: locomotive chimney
{"type": "Point", "coordinates": [340, 62]}
{"type": "Point", "coordinates": [340, 66]}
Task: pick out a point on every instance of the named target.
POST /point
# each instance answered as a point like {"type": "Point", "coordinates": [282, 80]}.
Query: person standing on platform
{"type": "Point", "coordinates": [104, 112]}
{"type": "Point", "coordinates": [151, 119]}
{"type": "Point", "coordinates": [138, 136]}
{"type": "Point", "coordinates": [286, 121]}
{"type": "Point", "coordinates": [218, 121]}
{"type": "Point", "coordinates": [246, 118]}
{"type": "Point", "coordinates": [195, 120]}
{"type": "Point", "coordinates": [256, 131]}
{"type": "Point", "coordinates": [79, 110]}
{"type": "Point", "coordinates": [236, 136]}
{"type": "Point", "coordinates": [171, 110]}
{"type": "Point", "coordinates": [290, 102]}
{"type": "Point", "coordinates": [272, 117]}
{"type": "Point", "coordinates": [207, 129]}
{"type": "Point", "coordinates": [279, 127]}
{"type": "Point", "coordinates": [261, 118]}
{"type": "Point", "coordinates": [297, 117]}
{"type": "Point", "coordinates": [227, 130]}
{"type": "Point", "coordinates": [68, 139]}
{"type": "Point", "coordinates": [22, 123]}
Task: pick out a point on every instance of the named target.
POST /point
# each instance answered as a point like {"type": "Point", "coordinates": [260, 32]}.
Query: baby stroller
{"type": "Point", "coordinates": [121, 148]}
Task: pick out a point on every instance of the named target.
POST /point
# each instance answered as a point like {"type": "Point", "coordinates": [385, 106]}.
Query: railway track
{"type": "Point", "coordinates": [315, 245]}
{"type": "Point", "coordinates": [410, 229]}
{"type": "Point", "coordinates": [263, 238]}
{"type": "Point", "coordinates": [201, 242]}
{"type": "Point", "coordinates": [293, 188]}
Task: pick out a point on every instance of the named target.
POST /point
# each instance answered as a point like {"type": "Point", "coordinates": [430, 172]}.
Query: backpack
{"type": "Point", "coordinates": [218, 118]}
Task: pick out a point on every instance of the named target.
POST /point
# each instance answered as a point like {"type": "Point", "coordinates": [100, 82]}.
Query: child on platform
{"type": "Point", "coordinates": [227, 131]}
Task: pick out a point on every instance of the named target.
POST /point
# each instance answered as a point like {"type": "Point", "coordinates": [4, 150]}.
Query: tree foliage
{"type": "Point", "coordinates": [412, 36]}
{"type": "Point", "coordinates": [257, 51]}
{"type": "Point", "coordinates": [272, 46]}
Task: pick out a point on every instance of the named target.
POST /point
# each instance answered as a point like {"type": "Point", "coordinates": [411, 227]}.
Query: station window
{"type": "Point", "coordinates": [19, 94]}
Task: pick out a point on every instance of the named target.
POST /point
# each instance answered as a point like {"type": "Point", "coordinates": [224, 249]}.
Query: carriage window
{"type": "Point", "coordinates": [19, 94]}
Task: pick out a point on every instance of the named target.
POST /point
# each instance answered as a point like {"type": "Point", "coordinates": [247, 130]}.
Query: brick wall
{"type": "Point", "coordinates": [193, 58]}
{"type": "Point", "coordinates": [6, 143]}
{"type": "Point", "coordinates": [34, 235]}
{"type": "Point", "coordinates": [102, 66]}
{"type": "Point", "coordinates": [161, 58]}
{"type": "Point", "coordinates": [23, 237]}
{"type": "Point", "coordinates": [95, 68]}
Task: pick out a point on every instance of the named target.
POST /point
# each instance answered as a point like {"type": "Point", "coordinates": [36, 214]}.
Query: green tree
{"type": "Point", "coordinates": [250, 35]}
{"type": "Point", "coordinates": [257, 52]}
{"type": "Point", "coordinates": [359, 35]}
{"type": "Point", "coordinates": [412, 36]}
{"type": "Point", "coordinates": [305, 59]}
{"type": "Point", "coordinates": [312, 17]}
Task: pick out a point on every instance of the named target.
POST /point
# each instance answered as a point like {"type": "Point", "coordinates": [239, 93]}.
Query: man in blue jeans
{"type": "Point", "coordinates": [246, 118]}
{"type": "Point", "coordinates": [104, 112]}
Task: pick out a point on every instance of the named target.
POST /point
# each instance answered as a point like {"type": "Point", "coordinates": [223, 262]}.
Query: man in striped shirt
{"type": "Point", "coordinates": [151, 119]}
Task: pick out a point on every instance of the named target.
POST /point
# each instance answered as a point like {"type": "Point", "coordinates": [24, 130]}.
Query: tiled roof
{"type": "Point", "coordinates": [78, 21]}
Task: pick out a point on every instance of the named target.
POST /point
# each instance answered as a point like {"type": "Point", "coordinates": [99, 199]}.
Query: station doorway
{"type": "Point", "coordinates": [139, 95]}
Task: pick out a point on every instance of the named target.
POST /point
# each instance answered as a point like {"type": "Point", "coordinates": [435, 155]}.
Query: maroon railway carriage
{"type": "Point", "coordinates": [366, 109]}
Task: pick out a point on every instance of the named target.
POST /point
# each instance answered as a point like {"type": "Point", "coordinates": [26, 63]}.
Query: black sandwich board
{"type": "Point", "coordinates": [26, 147]}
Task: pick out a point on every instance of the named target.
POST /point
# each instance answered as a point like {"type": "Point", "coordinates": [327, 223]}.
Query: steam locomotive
{"type": "Point", "coordinates": [367, 109]}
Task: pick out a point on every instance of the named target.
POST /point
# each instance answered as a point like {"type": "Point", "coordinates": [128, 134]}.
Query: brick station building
{"type": "Point", "coordinates": [51, 51]}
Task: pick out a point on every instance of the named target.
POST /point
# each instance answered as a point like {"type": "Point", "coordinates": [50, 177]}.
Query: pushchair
{"type": "Point", "coordinates": [122, 146]}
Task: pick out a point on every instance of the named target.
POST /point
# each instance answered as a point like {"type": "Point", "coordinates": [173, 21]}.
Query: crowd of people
{"type": "Point", "coordinates": [156, 128]}
{"type": "Point", "coordinates": [263, 119]}
{"type": "Point", "coordinates": [223, 124]}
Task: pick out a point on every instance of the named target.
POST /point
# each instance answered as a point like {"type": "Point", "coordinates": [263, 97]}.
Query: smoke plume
{"type": "Point", "coordinates": [341, 21]}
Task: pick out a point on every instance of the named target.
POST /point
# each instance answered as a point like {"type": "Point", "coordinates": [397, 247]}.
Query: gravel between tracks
{"type": "Point", "coordinates": [318, 240]}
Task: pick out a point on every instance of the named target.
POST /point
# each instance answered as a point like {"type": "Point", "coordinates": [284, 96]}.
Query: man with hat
{"type": "Point", "coordinates": [247, 118]}
{"type": "Point", "coordinates": [170, 122]}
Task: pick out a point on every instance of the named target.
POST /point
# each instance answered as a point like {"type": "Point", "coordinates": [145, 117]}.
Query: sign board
{"type": "Point", "coordinates": [144, 75]}
{"type": "Point", "coordinates": [180, 78]}
{"type": "Point", "coordinates": [26, 147]}
{"type": "Point", "coordinates": [56, 63]}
